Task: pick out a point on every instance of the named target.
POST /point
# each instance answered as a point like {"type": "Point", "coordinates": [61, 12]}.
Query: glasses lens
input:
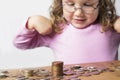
{"type": "Point", "coordinates": [69, 8]}
{"type": "Point", "coordinates": [86, 9]}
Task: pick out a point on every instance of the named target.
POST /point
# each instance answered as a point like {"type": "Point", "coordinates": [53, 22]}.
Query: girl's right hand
{"type": "Point", "coordinates": [40, 23]}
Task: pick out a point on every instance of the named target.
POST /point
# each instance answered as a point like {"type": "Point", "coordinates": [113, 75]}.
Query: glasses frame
{"type": "Point", "coordinates": [81, 7]}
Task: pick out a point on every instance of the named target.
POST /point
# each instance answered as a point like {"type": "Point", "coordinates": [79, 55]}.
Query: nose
{"type": "Point", "coordinates": [78, 12]}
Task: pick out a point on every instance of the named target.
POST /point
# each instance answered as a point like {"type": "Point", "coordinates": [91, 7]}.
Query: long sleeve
{"type": "Point", "coordinates": [28, 39]}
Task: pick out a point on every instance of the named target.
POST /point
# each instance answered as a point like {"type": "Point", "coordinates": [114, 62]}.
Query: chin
{"type": "Point", "coordinates": [79, 26]}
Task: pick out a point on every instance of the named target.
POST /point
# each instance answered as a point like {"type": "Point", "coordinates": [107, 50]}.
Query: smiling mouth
{"type": "Point", "coordinates": [79, 20]}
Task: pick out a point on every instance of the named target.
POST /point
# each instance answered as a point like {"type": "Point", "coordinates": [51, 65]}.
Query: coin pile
{"type": "Point", "coordinates": [3, 74]}
{"type": "Point", "coordinates": [59, 72]}
{"type": "Point", "coordinates": [83, 71]}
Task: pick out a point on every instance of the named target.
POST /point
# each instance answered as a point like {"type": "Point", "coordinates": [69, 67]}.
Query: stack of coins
{"type": "Point", "coordinates": [28, 73]}
{"type": "Point", "coordinates": [57, 68]}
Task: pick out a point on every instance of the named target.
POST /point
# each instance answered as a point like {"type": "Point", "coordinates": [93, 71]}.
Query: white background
{"type": "Point", "coordinates": [12, 15]}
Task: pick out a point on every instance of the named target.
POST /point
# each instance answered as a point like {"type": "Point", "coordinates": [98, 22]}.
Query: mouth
{"type": "Point", "coordinates": [79, 20]}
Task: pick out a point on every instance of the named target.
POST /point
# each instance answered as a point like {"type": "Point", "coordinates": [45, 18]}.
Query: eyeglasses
{"type": "Point", "coordinates": [87, 8]}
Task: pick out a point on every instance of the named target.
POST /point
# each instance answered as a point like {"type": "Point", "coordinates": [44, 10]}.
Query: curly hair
{"type": "Point", "coordinates": [107, 14]}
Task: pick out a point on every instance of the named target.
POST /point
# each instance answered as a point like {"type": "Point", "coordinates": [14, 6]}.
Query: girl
{"type": "Point", "coordinates": [79, 31]}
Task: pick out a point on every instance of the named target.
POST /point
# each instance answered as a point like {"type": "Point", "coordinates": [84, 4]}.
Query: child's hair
{"type": "Point", "coordinates": [107, 14]}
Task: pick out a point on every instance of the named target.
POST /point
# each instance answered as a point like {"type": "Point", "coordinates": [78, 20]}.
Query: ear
{"type": "Point", "coordinates": [117, 25]}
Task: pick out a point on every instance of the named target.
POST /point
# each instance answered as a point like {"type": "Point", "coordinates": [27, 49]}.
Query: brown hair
{"type": "Point", "coordinates": [107, 14]}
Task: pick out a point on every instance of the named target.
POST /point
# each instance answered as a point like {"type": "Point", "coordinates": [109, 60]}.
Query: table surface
{"type": "Point", "coordinates": [113, 72]}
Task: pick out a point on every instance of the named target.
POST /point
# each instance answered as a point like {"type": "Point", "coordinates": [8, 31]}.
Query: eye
{"type": "Point", "coordinates": [70, 4]}
{"type": "Point", "coordinates": [88, 4]}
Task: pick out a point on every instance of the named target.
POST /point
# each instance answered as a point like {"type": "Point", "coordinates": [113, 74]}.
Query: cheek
{"type": "Point", "coordinates": [67, 16]}
{"type": "Point", "coordinates": [93, 17]}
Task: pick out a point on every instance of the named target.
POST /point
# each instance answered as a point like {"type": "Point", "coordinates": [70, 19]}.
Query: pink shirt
{"type": "Point", "coordinates": [74, 45]}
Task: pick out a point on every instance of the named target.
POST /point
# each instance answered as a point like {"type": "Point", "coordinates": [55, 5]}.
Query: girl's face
{"type": "Point", "coordinates": [80, 13]}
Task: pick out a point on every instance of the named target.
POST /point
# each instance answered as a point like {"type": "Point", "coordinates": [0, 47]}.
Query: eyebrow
{"type": "Point", "coordinates": [80, 1]}
{"type": "Point", "coordinates": [93, 1]}
{"type": "Point", "coordinates": [67, 1]}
